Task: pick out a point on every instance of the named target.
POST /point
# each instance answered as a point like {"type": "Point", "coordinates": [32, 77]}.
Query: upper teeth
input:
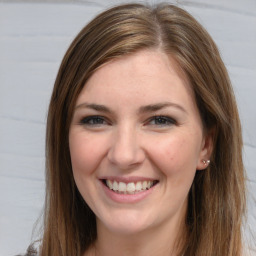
{"type": "Point", "coordinates": [130, 187]}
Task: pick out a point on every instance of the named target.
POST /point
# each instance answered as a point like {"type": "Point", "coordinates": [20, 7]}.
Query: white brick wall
{"type": "Point", "coordinates": [33, 39]}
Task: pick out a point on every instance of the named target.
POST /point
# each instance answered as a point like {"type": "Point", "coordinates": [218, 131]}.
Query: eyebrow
{"type": "Point", "coordinates": [159, 106]}
{"type": "Point", "coordinates": [142, 109]}
{"type": "Point", "coordinates": [96, 107]}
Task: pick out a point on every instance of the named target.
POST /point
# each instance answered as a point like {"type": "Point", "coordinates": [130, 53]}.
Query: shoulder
{"type": "Point", "coordinates": [32, 250]}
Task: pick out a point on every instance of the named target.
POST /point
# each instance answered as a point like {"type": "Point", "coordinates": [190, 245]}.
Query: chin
{"type": "Point", "coordinates": [126, 223]}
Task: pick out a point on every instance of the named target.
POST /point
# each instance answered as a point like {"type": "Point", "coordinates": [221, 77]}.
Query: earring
{"type": "Point", "coordinates": [206, 162]}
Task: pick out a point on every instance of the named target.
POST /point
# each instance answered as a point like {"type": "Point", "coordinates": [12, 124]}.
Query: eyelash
{"type": "Point", "coordinates": [94, 121]}
{"type": "Point", "coordinates": [100, 120]}
{"type": "Point", "coordinates": [164, 121]}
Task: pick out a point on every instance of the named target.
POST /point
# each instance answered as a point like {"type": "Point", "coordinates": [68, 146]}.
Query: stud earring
{"type": "Point", "coordinates": [206, 162]}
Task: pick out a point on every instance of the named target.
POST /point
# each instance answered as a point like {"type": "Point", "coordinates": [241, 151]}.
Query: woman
{"type": "Point", "coordinates": [144, 143]}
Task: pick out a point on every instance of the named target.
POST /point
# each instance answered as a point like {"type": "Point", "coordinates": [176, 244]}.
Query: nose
{"type": "Point", "coordinates": [126, 151]}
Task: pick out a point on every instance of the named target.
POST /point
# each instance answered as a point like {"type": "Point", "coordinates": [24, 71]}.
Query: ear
{"type": "Point", "coordinates": [206, 150]}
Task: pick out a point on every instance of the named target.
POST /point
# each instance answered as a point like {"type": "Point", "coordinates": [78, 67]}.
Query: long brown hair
{"type": "Point", "coordinates": [217, 197]}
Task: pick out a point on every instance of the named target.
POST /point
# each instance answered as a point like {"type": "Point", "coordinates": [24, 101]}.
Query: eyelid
{"type": "Point", "coordinates": [98, 120]}
{"type": "Point", "coordinates": [170, 120]}
{"type": "Point", "coordinates": [85, 120]}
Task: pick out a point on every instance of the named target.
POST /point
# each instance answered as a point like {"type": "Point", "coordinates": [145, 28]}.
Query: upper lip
{"type": "Point", "coordinates": [127, 179]}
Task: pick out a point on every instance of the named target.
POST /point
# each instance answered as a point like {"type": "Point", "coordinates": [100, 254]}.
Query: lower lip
{"type": "Point", "coordinates": [127, 198]}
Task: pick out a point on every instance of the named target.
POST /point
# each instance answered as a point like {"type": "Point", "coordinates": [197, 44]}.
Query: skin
{"type": "Point", "coordinates": [129, 141]}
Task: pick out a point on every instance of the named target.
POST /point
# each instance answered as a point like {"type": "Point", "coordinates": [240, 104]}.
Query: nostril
{"type": "Point", "coordinates": [126, 159]}
{"type": "Point", "coordinates": [125, 151]}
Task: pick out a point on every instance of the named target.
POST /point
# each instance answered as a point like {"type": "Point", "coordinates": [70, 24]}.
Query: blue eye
{"type": "Point", "coordinates": [161, 121]}
{"type": "Point", "coordinates": [93, 121]}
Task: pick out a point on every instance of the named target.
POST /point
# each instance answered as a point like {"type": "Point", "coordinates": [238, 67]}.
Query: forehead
{"type": "Point", "coordinates": [144, 76]}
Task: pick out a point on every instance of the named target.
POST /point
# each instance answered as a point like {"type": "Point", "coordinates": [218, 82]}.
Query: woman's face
{"type": "Point", "coordinates": [136, 141]}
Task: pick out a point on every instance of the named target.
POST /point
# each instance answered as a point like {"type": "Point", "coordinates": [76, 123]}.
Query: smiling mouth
{"type": "Point", "coordinates": [129, 188]}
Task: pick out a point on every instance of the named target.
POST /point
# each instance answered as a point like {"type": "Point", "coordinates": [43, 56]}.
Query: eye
{"type": "Point", "coordinates": [161, 121]}
{"type": "Point", "coordinates": [94, 121]}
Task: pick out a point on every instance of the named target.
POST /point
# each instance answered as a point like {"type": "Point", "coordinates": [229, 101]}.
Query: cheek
{"type": "Point", "coordinates": [85, 153]}
{"type": "Point", "coordinates": [176, 157]}
{"type": "Point", "coordinates": [175, 160]}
